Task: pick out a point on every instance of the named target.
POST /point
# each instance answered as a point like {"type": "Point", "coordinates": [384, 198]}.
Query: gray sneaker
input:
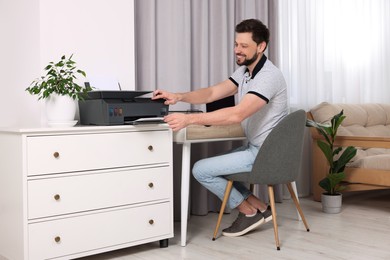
{"type": "Point", "coordinates": [267, 214]}
{"type": "Point", "coordinates": [243, 225]}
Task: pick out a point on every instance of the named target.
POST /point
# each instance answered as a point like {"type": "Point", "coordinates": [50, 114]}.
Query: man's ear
{"type": "Point", "coordinates": [261, 47]}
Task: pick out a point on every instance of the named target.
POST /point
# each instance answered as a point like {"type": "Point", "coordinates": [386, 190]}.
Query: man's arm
{"type": "Point", "coordinates": [200, 96]}
{"type": "Point", "coordinates": [225, 116]}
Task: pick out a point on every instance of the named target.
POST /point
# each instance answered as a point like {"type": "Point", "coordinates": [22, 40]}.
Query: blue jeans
{"type": "Point", "coordinates": [210, 171]}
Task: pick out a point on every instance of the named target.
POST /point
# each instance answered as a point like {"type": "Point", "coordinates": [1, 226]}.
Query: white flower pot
{"type": "Point", "coordinates": [331, 203]}
{"type": "Point", "coordinates": [60, 110]}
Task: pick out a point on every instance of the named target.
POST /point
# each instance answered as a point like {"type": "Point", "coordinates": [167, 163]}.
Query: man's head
{"type": "Point", "coordinates": [252, 38]}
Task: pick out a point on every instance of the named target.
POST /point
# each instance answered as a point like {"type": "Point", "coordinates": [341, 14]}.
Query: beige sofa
{"type": "Point", "coordinates": [367, 127]}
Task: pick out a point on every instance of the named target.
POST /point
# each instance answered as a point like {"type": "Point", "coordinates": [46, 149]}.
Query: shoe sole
{"type": "Point", "coordinates": [268, 219]}
{"type": "Point", "coordinates": [243, 232]}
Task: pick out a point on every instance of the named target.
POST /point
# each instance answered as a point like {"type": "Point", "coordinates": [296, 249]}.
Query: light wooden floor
{"type": "Point", "coordinates": [360, 231]}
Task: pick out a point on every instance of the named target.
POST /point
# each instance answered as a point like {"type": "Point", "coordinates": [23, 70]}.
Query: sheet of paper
{"type": "Point", "coordinates": [150, 119]}
{"type": "Point", "coordinates": [104, 83]}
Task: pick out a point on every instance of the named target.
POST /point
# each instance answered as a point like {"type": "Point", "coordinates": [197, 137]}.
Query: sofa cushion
{"type": "Point", "coordinates": [379, 161]}
{"type": "Point", "coordinates": [375, 114]}
{"type": "Point", "coordinates": [371, 120]}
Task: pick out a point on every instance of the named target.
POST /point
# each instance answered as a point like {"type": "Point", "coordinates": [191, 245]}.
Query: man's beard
{"type": "Point", "coordinates": [248, 62]}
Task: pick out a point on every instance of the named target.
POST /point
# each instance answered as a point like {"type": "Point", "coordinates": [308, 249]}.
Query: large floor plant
{"type": "Point", "coordinates": [332, 182]}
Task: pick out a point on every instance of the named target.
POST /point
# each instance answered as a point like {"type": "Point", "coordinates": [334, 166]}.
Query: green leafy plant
{"type": "Point", "coordinates": [332, 182]}
{"type": "Point", "coordinates": [59, 79]}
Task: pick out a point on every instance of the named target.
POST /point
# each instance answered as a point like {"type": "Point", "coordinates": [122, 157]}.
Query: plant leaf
{"type": "Point", "coordinates": [326, 150]}
{"type": "Point", "coordinates": [345, 158]}
{"type": "Point", "coordinates": [325, 184]}
{"type": "Point", "coordinates": [321, 128]}
{"type": "Point", "coordinates": [334, 180]}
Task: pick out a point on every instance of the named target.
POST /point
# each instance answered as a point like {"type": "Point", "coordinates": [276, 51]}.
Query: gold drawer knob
{"type": "Point", "coordinates": [56, 154]}
{"type": "Point", "coordinates": [151, 185]}
{"type": "Point", "coordinates": [150, 147]}
{"type": "Point", "coordinates": [57, 239]}
{"type": "Point", "coordinates": [151, 222]}
{"type": "Point", "coordinates": [57, 197]}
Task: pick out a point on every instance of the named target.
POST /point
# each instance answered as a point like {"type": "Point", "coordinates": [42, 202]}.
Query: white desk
{"type": "Point", "coordinates": [198, 134]}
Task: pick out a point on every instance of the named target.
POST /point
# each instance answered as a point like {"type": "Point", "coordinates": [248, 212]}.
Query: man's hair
{"type": "Point", "coordinates": [260, 32]}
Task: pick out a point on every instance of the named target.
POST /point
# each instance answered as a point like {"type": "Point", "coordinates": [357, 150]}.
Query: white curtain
{"type": "Point", "coordinates": [183, 45]}
{"type": "Point", "coordinates": [335, 51]}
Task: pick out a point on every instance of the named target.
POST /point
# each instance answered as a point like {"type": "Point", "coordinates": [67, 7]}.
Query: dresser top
{"type": "Point", "coordinates": [84, 129]}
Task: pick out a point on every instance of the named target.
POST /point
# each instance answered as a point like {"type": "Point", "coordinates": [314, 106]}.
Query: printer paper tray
{"type": "Point", "coordinates": [148, 120]}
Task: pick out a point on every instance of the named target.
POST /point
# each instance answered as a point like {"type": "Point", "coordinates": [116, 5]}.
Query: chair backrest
{"type": "Point", "coordinates": [279, 158]}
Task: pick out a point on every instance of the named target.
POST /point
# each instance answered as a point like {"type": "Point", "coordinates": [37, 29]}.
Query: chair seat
{"type": "Point", "coordinates": [241, 176]}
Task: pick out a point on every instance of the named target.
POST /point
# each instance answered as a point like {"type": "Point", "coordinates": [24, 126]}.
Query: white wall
{"type": "Point", "coordinates": [19, 62]}
{"type": "Point", "coordinates": [99, 33]}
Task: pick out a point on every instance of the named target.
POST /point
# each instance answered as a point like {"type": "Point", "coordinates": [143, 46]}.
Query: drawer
{"type": "Point", "coordinates": [70, 194]}
{"type": "Point", "coordinates": [67, 153]}
{"type": "Point", "coordinates": [68, 236]}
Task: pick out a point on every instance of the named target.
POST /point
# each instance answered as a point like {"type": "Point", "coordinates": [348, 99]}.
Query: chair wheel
{"type": "Point", "coordinates": [278, 248]}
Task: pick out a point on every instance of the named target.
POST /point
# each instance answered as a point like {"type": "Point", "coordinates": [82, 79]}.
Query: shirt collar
{"type": "Point", "coordinates": [258, 66]}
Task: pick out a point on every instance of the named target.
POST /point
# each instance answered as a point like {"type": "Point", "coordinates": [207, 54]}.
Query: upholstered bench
{"type": "Point", "coordinates": [367, 127]}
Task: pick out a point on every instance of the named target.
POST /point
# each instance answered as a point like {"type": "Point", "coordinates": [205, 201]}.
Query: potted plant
{"type": "Point", "coordinates": [332, 183]}
{"type": "Point", "coordinates": [60, 91]}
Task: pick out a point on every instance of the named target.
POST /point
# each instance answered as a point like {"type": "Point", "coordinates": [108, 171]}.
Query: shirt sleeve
{"type": "Point", "coordinates": [267, 84]}
{"type": "Point", "coordinates": [238, 76]}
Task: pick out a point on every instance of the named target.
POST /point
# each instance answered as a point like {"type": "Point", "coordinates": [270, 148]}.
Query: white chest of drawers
{"type": "Point", "coordinates": [71, 192]}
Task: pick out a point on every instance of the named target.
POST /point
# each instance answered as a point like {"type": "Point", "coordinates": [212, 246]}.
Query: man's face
{"type": "Point", "coordinates": [246, 50]}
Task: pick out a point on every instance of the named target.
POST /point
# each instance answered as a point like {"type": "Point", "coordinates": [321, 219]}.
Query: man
{"type": "Point", "coordinates": [262, 97]}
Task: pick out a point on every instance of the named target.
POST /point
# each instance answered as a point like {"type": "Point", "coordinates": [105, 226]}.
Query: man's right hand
{"type": "Point", "coordinates": [170, 98]}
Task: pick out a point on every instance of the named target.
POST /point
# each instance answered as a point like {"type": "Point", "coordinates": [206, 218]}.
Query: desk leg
{"type": "Point", "coordinates": [185, 190]}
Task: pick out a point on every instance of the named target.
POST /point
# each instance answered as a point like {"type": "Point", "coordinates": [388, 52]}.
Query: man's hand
{"type": "Point", "coordinates": [177, 121]}
{"type": "Point", "coordinates": [170, 98]}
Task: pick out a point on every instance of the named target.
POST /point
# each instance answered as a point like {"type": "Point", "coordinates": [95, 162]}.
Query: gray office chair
{"type": "Point", "coordinates": [278, 162]}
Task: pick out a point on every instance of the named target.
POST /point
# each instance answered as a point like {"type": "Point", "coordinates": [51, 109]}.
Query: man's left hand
{"type": "Point", "coordinates": [177, 121]}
